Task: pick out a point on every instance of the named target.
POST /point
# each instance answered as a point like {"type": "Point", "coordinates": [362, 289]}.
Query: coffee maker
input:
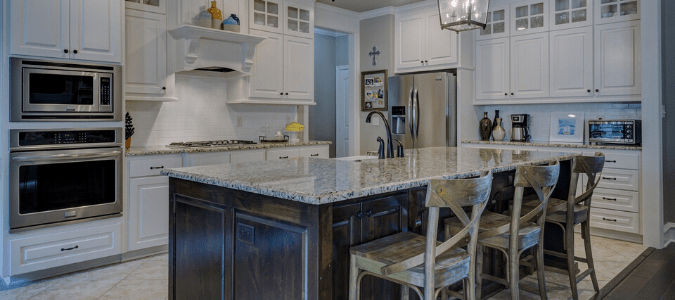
{"type": "Point", "coordinates": [519, 129]}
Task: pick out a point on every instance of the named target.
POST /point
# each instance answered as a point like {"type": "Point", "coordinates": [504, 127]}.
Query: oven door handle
{"type": "Point", "coordinates": [67, 156]}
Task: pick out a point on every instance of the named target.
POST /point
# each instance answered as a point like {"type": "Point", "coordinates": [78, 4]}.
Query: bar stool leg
{"type": "Point", "coordinates": [405, 292]}
{"type": "Point", "coordinates": [353, 276]}
{"type": "Point", "coordinates": [514, 265]}
{"type": "Point", "coordinates": [479, 270]}
{"type": "Point", "coordinates": [540, 271]}
{"type": "Point", "coordinates": [569, 240]}
{"type": "Point", "coordinates": [586, 228]}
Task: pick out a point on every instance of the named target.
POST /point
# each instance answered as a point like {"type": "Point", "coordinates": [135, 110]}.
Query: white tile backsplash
{"type": "Point", "coordinates": [540, 115]}
{"type": "Point", "coordinates": [202, 114]}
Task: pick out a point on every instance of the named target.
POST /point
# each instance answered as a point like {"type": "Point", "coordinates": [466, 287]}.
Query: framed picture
{"type": "Point", "coordinates": [374, 90]}
{"type": "Point", "coordinates": [567, 127]}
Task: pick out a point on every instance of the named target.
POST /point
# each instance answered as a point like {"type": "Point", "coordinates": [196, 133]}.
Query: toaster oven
{"type": "Point", "coordinates": [627, 132]}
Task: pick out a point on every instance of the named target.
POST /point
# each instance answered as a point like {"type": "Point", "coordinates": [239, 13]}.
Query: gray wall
{"type": "Point", "coordinates": [342, 50]}
{"type": "Point", "coordinates": [375, 32]}
{"type": "Point", "coordinates": [668, 61]}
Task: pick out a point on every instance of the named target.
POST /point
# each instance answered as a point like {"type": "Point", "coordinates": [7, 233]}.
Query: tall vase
{"type": "Point", "coordinates": [498, 133]}
{"type": "Point", "coordinates": [485, 127]}
{"type": "Point", "coordinates": [494, 123]}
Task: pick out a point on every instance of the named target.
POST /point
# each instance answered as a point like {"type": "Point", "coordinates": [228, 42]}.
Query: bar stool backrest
{"type": "Point", "coordinates": [592, 167]}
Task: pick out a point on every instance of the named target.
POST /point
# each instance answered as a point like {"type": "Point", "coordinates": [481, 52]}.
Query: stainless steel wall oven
{"type": "Point", "coordinates": [64, 175]}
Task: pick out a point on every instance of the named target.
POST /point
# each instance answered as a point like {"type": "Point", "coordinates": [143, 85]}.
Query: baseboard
{"type": "Point", "coordinates": [615, 235]}
{"type": "Point", "coordinates": [668, 234]}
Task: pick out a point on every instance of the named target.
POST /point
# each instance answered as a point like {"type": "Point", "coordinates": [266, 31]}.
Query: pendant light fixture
{"type": "Point", "coordinates": [461, 15]}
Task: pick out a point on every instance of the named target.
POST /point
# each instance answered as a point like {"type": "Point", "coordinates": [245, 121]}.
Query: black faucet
{"type": "Point", "coordinates": [390, 144]}
{"type": "Point", "coordinates": [399, 149]}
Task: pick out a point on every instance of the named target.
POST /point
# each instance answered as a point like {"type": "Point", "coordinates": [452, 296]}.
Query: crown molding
{"type": "Point", "coordinates": [389, 10]}
{"type": "Point", "coordinates": [333, 9]}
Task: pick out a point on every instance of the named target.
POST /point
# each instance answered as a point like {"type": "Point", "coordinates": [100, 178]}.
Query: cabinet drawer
{"type": "Point", "coordinates": [617, 200]}
{"type": "Point", "coordinates": [207, 159]}
{"type": "Point", "coordinates": [320, 152]}
{"type": "Point", "coordinates": [630, 161]}
{"type": "Point", "coordinates": [282, 153]}
{"type": "Point", "coordinates": [151, 166]}
{"type": "Point", "coordinates": [247, 156]}
{"type": "Point", "coordinates": [63, 248]}
{"type": "Point", "coordinates": [615, 220]}
{"type": "Point", "coordinates": [618, 179]}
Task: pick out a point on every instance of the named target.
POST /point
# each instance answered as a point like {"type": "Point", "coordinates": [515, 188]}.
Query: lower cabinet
{"type": "Point", "coordinates": [147, 211]}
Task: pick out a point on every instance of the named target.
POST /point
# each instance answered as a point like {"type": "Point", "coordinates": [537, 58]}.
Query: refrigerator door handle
{"type": "Point", "coordinates": [417, 113]}
{"type": "Point", "coordinates": [411, 121]}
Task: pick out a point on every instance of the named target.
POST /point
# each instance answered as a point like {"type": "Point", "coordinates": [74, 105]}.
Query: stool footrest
{"type": "Point", "coordinates": [584, 274]}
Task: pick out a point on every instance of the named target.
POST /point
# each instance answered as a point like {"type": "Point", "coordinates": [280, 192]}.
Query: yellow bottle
{"type": "Point", "coordinates": [216, 14]}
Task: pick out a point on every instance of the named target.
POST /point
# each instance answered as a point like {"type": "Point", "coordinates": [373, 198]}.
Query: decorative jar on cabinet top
{"type": "Point", "coordinates": [498, 133]}
{"type": "Point", "coordinates": [485, 127]}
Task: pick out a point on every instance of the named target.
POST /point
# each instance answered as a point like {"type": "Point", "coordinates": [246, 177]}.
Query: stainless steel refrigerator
{"type": "Point", "coordinates": [422, 109]}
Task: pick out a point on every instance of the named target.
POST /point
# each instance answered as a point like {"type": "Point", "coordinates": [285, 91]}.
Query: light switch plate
{"type": "Point", "coordinates": [375, 120]}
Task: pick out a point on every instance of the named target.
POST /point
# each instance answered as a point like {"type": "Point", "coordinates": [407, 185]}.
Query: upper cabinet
{"type": "Point", "coordinates": [572, 62]}
{"type": "Point", "coordinates": [266, 15]}
{"type": "Point", "coordinates": [155, 6]}
{"type": "Point", "coordinates": [610, 11]}
{"type": "Point", "coordinates": [145, 67]}
{"type": "Point", "coordinates": [617, 59]}
{"type": "Point", "coordinates": [529, 17]}
{"type": "Point", "coordinates": [567, 14]}
{"type": "Point", "coordinates": [74, 29]}
{"type": "Point", "coordinates": [492, 69]}
{"type": "Point", "coordinates": [285, 17]}
{"type": "Point", "coordinates": [529, 66]}
{"type": "Point", "coordinates": [299, 20]}
{"type": "Point", "coordinates": [497, 25]}
{"type": "Point", "coordinates": [421, 45]}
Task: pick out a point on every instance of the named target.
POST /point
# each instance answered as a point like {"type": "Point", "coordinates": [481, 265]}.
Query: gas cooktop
{"type": "Point", "coordinates": [211, 143]}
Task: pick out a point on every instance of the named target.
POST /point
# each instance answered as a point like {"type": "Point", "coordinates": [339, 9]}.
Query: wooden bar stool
{"type": "Point", "coordinates": [568, 213]}
{"type": "Point", "coordinates": [514, 234]}
{"type": "Point", "coordinates": [414, 260]}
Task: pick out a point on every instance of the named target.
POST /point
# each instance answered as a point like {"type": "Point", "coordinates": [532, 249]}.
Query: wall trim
{"type": "Point", "coordinates": [668, 234]}
{"type": "Point", "coordinates": [337, 10]}
{"type": "Point", "coordinates": [327, 32]}
{"type": "Point", "coordinates": [389, 10]}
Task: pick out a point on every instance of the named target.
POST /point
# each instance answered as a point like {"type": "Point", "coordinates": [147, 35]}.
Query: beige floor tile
{"type": "Point", "coordinates": [27, 292]}
{"type": "Point", "coordinates": [161, 257]}
{"type": "Point", "coordinates": [151, 269]}
{"type": "Point", "coordinates": [77, 288]}
{"type": "Point", "coordinates": [138, 290]}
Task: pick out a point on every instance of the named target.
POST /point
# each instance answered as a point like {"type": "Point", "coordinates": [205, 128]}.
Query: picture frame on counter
{"type": "Point", "coordinates": [374, 90]}
{"type": "Point", "coordinates": [567, 127]}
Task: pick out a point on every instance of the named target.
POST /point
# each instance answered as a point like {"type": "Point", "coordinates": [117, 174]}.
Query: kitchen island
{"type": "Point", "coordinates": [282, 229]}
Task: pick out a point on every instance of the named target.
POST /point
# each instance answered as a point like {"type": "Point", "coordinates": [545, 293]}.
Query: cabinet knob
{"type": "Point", "coordinates": [588, 91]}
{"type": "Point", "coordinates": [426, 61]}
{"type": "Point", "coordinates": [164, 88]}
{"type": "Point", "coordinates": [597, 90]}
{"type": "Point", "coordinates": [511, 94]}
{"type": "Point", "coordinates": [506, 94]}
{"type": "Point", "coordinates": [359, 215]}
{"type": "Point", "coordinates": [281, 94]}
{"type": "Point", "coordinates": [65, 50]}
{"type": "Point", "coordinates": [421, 61]}
{"type": "Point", "coordinates": [286, 94]}
{"type": "Point", "coordinates": [75, 51]}
{"type": "Point", "coordinates": [369, 214]}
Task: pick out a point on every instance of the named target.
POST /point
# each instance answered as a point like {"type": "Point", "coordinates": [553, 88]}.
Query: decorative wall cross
{"type": "Point", "coordinates": [374, 54]}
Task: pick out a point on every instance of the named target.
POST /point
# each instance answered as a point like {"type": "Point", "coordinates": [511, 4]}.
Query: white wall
{"type": "Point", "coordinates": [201, 114]}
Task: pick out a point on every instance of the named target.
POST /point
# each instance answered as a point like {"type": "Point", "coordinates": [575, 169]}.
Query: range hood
{"type": "Point", "coordinates": [199, 48]}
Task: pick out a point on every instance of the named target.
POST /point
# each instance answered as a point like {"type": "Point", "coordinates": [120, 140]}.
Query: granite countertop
{"type": "Point", "coordinates": [156, 150]}
{"type": "Point", "coordinates": [557, 145]}
{"type": "Point", "coordinates": [321, 181]}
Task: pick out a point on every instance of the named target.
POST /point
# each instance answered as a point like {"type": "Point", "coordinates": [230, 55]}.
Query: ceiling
{"type": "Point", "coordinates": [366, 5]}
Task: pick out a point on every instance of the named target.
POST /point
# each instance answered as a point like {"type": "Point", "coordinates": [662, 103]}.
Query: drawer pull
{"type": "Point", "coordinates": [68, 249]}
{"type": "Point", "coordinates": [369, 214]}
{"type": "Point", "coordinates": [606, 219]}
{"type": "Point", "coordinates": [155, 168]}
{"type": "Point", "coordinates": [612, 161]}
{"type": "Point", "coordinates": [609, 178]}
{"type": "Point", "coordinates": [314, 154]}
{"type": "Point", "coordinates": [611, 199]}
{"type": "Point", "coordinates": [359, 215]}
{"type": "Point", "coordinates": [283, 157]}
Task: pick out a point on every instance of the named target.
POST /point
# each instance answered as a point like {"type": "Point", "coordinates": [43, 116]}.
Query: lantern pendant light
{"type": "Point", "coordinates": [461, 15]}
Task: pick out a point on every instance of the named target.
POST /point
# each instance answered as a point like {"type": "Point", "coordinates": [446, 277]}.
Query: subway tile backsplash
{"type": "Point", "coordinates": [540, 115]}
{"type": "Point", "coordinates": [202, 114]}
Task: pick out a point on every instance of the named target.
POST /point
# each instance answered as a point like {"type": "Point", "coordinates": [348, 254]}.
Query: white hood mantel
{"type": "Point", "coordinates": [205, 48]}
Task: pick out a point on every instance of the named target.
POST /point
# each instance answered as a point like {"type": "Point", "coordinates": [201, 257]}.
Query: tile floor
{"type": "Point", "coordinates": [146, 278]}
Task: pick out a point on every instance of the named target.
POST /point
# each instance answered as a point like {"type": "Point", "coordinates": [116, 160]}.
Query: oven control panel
{"type": "Point", "coordinates": [43, 138]}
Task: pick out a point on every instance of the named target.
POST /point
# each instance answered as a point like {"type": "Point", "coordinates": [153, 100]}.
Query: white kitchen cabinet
{"type": "Point", "coordinates": [316, 152]}
{"type": "Point", "coordinates": [410, 41]}
{"type": "Point", "coordinates": [571, 62]}
{"type": "Point", "coordinates": [247, 156]}
{"type": "Point", "coordinates": [145, 67]}
{"type": "Point", "coordinates": [530, 66]}
{"type": "Point", "coordinates": [206, 159]}
{"type": "Point", "coordinates": [148, 212]}
{"type": "Point", "coordinates": [529, 17]}
{"type": "Point", "coordinates": [267, 74]}
{"type": "Point", "coordinates": [298, 68]}
{"type": "Point", "coordinates": [282, 153]}
{"type": "Point", "coordinates": [75, 29]}
{"type": "Point", "coordinates": [266, 15]}
{"type": "Point", "coordinates": [153, 165]}
{"type": "Point", "coordinates": [610, 11]}
{"type": "Point", "coordinates": [492, 69]}
{"type": "Point", "coordinates": [155, 6]}
{"type": "Point", "coordinates": [498, 23]}
{"type": "Point", "coordinates": [441, 47]}
{"type": "Point", "coordinates": [615, 220]}
{"type": "Point", "coordinates": [298, 20]}
{"type": "Point", "coordinates": [421, 44]}
{"type": "Point", "coordinates": [567, 14]}
{"type": "Point", "coordinates": [617, 59]}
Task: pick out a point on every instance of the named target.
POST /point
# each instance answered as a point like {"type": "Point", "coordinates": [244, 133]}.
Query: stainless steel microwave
{"type": "Point", "coordinates": [43, 90]}
{"type": "Point", "coordinates": [627, 132]}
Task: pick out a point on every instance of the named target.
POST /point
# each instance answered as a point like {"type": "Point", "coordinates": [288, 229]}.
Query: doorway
{"type": "Point", "coordinates": [342, 111]}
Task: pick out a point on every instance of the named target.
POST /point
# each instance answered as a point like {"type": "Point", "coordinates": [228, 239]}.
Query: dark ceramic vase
{"type": "Point", "coordinates": [485, 127]}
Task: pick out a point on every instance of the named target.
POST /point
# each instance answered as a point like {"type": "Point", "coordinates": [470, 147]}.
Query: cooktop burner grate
{"type": "Point", "coordinates": [212, 143]}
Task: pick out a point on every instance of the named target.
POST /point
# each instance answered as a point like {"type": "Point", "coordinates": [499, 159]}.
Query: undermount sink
{"type": "Point", "coordinates": [357, 158]}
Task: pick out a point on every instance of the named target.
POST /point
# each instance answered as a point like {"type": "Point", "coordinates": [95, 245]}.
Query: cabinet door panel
{"type": "Point", "coordinates": [410, 41]}
{"type": "Point", "coordinates": [498, 23]}
{"type": "Point", "coordinates": [267, 74]}
{"type": "Point", "coordinates": [346, 233]}
{"type": "Point", "coordinates": [148, 212]}
{"type": "Point", "coordinates": [617, 59]}
{"type": "Point", "coordinates": [95, 30]}
{"type": "Point", "coordinates": [530, 66]}
{"type": "Point", "coordinates": [145, 53]}
{"type": "Point", "coordinates": [571, 62]}
{"type": "Point", "coordinates": [266, 15]}
{"type": "Point", "coordinates": [529, 16]}
{"type": "Point", "coordinates": [492, 69]}
{"type": "Point", "coordinates": [298, 68]}
{"type": "Point", "coordinates": [40, 27]}
{"type": "Point", "coordinates": [567, 14]}
{"type": "Point", "coordinates": [616, 11]}
{"type": "Point", "coordinates": [247, 156]}
{"type": "Point", "coordinates": [298, 20]}
{"type": "Point", "coordinates": [441, 44]}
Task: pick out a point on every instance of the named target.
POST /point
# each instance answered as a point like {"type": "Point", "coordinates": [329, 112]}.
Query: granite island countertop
{"type": "Point", "coordinates": [556, 145]}
{"type": "Point", "coordinates": [158, 150]}
{"type": "Point", "coordinates": [320, 181]}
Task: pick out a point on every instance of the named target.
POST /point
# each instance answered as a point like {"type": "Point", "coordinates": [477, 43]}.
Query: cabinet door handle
{"type": "Point", "coordinates": [164, 88]}
{"type": "Point", "coordinates": [75, 51]}
{"type": "Point", "coordinates": [588, 91]}
{"type": "Point", "coordinates": [610, 199]}
{"type": "Point", "coordinates": [281, 94]}
{"type": "Point", "coordinates": [359, 215]}
{"type": "Point", "coordinates": [511, 94]}
{"type": "Point", "coordinates": [609, 178]}
{"type": "Point", "coordinates": [597, 90]}
{"type": "Point", "coordinates": [286, 94]}
{"type": "Point", "coordinates": [421, 61]}
{"type": "Point", "coordinates": [506, 94]}
{"type": "Point", "coordinates": [314, 154]}
{"type": "Point", "coordinates": [369, 214]}
{"type": "Point", "coordinates": [611, 161]}
{"type": "Point", "coordinates": [65, 50]}
{"type": "Point", "coordinates": [426, 61]}
{"type": "Point", "coordinates": [68, 249]}
{"type": "Point", "coordinates": [283, 157]}
{"type": "Point", "coordinates": [606, 219]}
{"type": "Point", "coordinates": [155, 168]}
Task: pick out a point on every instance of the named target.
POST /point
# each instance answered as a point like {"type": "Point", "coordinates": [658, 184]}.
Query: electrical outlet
{"type": "Point", "coordinates": [239, 121]}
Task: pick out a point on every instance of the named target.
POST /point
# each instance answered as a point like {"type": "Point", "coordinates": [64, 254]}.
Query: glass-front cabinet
{"type": "Point", "coordinates": [497, 23]}
{"type": "Point", "coordinates": [529, 17]}
{"type": "Point", "coordinates": [266, 15]}
{"type": "Point", "coordinates": [299, 20]}
{"type": "Point", "coordinates": [156, 6]}
{"type": "Point", "coordinates": [571, 14]}
{"type": "Point", "coordinates": [609, 11]}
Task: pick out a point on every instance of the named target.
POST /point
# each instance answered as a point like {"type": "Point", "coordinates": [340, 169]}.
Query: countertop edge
{"type": "Point", "coordinates": [145, 151]}
{"type": "Point", "coordinates": [556, 145]}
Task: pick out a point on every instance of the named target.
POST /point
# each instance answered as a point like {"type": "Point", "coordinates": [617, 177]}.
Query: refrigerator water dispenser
{"type": "Point", "coordinates": [398, 120]}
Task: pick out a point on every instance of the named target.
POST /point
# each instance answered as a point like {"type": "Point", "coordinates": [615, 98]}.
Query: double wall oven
{"type": "Point", "coordinates": [64, 175]}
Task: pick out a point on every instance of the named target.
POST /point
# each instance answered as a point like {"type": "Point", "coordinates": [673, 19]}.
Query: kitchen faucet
{"type": "Point", "coordinates": [390, 142]}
